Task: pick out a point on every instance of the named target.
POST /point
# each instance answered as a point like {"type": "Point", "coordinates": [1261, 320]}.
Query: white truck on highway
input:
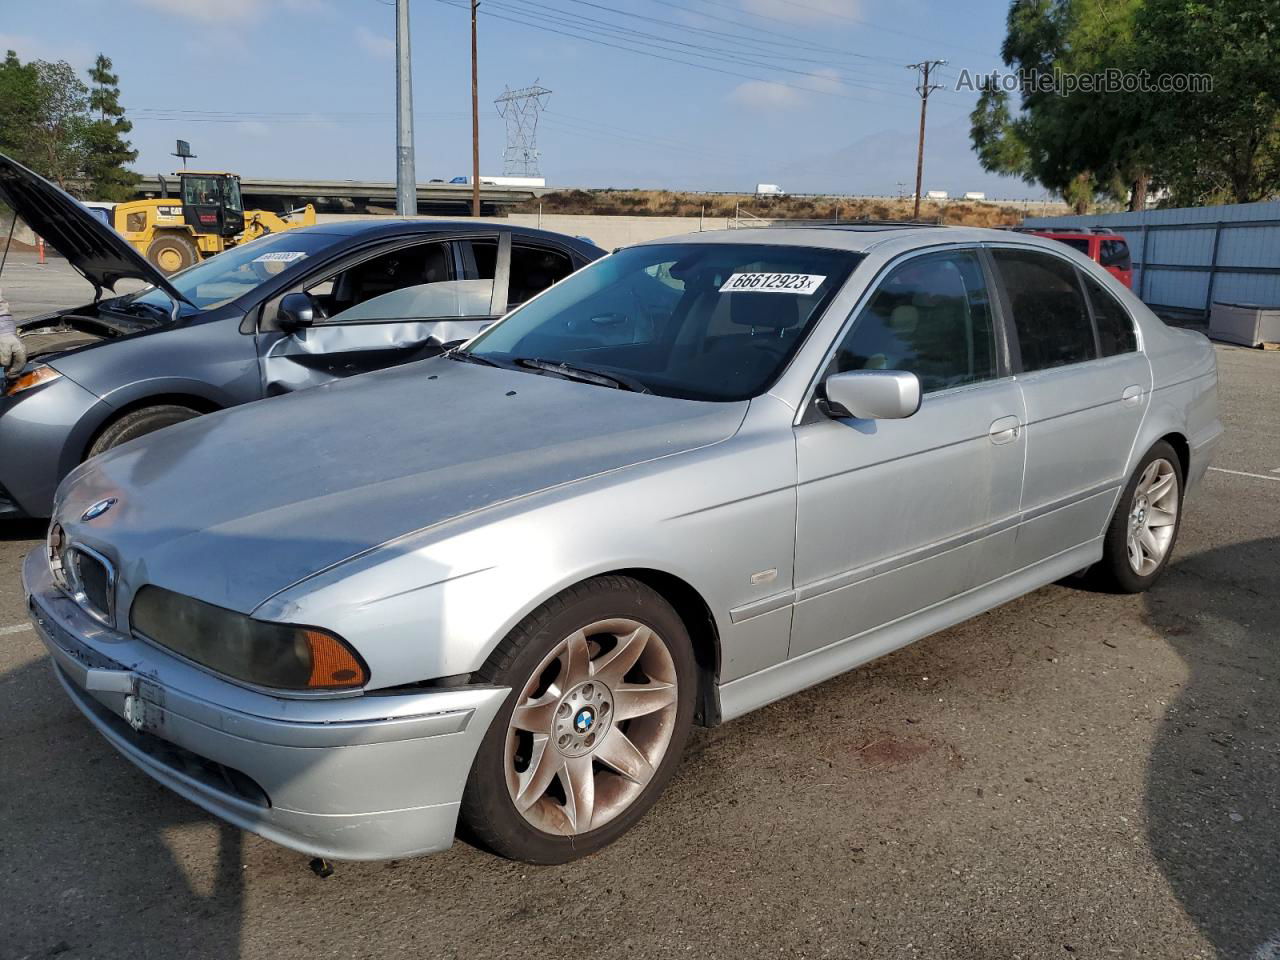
{"type": "Point", "coordinates": [505, 181]}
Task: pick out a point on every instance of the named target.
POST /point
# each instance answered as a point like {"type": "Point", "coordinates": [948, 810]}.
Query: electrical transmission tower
{"type": "Point", "coordinates": [520, 108]}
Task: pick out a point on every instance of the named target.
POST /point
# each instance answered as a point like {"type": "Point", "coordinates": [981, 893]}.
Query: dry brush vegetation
{"type": "Point", "coordinates": [668, 203]}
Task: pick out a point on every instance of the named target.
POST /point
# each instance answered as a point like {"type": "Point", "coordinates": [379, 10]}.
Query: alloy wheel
{"type": "Point", "coordinates": [591, 727]}
{"type": "Point", "coordinates": [1153, 517]}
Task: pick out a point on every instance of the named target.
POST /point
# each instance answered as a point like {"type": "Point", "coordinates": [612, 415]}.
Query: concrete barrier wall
{"type": "Point", "coordinates": [607, 232]}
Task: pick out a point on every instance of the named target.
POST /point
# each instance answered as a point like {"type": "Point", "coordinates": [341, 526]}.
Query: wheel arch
{"type": "Point", "coordinates": [1181, 446]}
{"type": "Point", "coordinates": [698, 619]}
{"type": "Point", "coordinates": [198, 402]}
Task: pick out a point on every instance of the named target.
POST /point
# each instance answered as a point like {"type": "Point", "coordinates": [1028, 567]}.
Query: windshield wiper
{"type": "Point", "coordinates": [582, 374]}
{"type": "Point", "coordinates": [455, 353]}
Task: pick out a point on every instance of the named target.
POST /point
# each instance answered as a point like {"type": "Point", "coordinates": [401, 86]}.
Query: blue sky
{"type": "Point", "coordinates": [809, 94]}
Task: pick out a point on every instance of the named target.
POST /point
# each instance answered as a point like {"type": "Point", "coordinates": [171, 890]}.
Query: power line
{"type": "Point", "coordinates": [616, 31]}
{"type": "Point", "coordinates": [657, 56]}
{"type": "Point", "coordinates": [851, 19]}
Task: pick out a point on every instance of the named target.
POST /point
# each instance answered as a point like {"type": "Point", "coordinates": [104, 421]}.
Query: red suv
{"type": "Point", "coordinates": [1101, 245]}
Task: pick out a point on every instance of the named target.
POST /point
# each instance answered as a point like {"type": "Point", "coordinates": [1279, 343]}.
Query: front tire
{"type": "Point", "coordinates": [1143, 531]}
{"type": "Point", "coordinates": [138, 423]}
{"type": "Point", "coordinates": [171, 252]}
{"type": "Point", "coordinates": [602, 682]}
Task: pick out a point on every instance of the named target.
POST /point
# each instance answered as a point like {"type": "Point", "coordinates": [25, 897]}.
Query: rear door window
{"type": "Point", "coordinates": [1049, 309]}
{"type": "Point", "coordinates": [1115, 326]}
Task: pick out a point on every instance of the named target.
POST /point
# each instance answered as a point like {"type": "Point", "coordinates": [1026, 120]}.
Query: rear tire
{"type": "Point", "coordinates": [604, 679]}
{"type": "Point", "coordinates": [138, 423]}
{"type": "Point", "coordinates": [1144, 530]}
{"type": "Point", "coordinates": [171, 252]}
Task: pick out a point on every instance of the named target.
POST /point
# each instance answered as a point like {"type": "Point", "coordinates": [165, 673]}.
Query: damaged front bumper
{"type": "Point", "coordinates": [354, 778]}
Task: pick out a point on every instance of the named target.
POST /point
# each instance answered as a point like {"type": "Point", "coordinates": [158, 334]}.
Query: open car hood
{"type": "Point", "coordinates": [89, 245]}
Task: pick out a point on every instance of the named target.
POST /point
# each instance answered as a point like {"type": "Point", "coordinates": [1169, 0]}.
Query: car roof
{"type": "Point", "coordinates": [860, 238]}
{"type": "Point", "coordinates": [389, 227]}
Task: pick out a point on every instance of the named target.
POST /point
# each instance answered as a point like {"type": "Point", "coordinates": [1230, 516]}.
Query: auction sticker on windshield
{"type": "Point", "coordinates": [280, 256]}
{"type": "Point", "coordinates": [801, 284]}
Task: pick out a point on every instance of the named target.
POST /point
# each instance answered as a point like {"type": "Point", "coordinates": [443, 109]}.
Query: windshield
{"type": "Point", "coordinates": [702, 321]}
{"type": "Point", "coordinates": [219, 280]}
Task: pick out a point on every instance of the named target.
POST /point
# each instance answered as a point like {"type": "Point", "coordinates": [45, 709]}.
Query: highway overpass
{"type": "Point", "coordinates": [355, 196]}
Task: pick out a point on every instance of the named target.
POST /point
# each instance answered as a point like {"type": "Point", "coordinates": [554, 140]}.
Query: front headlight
{"type": "Point", "coordinates": [31, 379]}
{"type": "Point", "coordinates": [277, 655]}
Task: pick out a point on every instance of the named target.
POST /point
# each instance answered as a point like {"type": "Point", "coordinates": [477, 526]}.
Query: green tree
{"type": "Point", "coordinates": [19, 107]}
{"type": "Point", "coordinates": [58, 134]}
{"type": "Point", "coordinates": [1082, 143]}
{"type": "Point", "coordinates": [1222, 145]}
{"type": "Point", "coordinates": [106, 149]}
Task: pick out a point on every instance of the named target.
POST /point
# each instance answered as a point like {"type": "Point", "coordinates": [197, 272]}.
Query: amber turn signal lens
{"type": "Point", "coordinates": [332, 663]}
{"type": "Point", "coordinates": [32, 378]}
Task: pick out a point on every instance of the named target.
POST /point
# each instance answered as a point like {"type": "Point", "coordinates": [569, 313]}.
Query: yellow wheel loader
{"type": "Point", "coordinates": [206, 218]}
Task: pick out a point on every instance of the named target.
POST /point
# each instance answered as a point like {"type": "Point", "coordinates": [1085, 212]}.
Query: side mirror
{"type": "Point", "coordinates": [296, 312]}
{"type": "Point", "coordinates": [872, 394]}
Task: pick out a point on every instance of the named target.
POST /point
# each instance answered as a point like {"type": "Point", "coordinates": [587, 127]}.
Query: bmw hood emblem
{"type": "Point", "coordinates": [584, 720]}
{"type": "Point", "coordinates": [98, 509]}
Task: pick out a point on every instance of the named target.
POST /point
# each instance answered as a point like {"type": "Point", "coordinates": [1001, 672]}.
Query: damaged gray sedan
{"type": "Point", "coordinates": [284, 312]}
{"type": "Point", "coordinates": [500, 585]}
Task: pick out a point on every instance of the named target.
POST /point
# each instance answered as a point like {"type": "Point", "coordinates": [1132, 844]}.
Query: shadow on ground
{"type": "Point", "coordinates": [62, 784]}
{"type": "Point", "coordinates": [1213, 782]}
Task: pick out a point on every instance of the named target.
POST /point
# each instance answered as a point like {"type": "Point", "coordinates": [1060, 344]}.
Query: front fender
{"type": "Point", "coordinates": [436, 602]}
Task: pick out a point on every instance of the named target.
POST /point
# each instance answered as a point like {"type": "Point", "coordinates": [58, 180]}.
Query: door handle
{"type": "Point", "coordinates": [1004, 430]}
{"type": "Point", "coordinates": [1132, 395]}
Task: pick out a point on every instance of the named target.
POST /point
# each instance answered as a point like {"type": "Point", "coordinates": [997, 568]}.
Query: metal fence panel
{"type": "Point", "coordinates": [1185, 258]}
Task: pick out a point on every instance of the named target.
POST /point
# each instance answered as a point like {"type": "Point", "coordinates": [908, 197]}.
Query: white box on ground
{"type": "Point", "coordinates": [768, 190]}
{"type": "Point", "coordinates": [1248, 324]}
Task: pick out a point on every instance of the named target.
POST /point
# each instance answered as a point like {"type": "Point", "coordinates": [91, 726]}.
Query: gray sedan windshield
{"type": "Point", "coordinates": [703, 321]}
{"type": "Point", "coordinates": [218, 280]}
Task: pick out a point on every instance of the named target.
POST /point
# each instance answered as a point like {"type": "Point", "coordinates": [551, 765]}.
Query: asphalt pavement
{"type": "Point", "coordinates": [1073, 775]}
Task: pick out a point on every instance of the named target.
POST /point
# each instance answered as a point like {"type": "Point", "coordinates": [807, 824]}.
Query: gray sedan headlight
{"type": "Point", "coordinates": [277, 655]}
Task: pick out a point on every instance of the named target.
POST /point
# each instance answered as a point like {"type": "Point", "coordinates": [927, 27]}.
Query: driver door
{"type": "Point", "coordinates": [382, 308]}
{"type": "Point", "coordinates": [894, 516]}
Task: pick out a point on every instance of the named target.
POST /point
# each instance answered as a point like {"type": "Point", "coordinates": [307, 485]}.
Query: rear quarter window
{"type": "Point", "coordinates": [1115, 327]}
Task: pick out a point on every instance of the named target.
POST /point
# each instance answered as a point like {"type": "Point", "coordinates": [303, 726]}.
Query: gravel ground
{"type": "Point", "coordinates": [1074, 774]}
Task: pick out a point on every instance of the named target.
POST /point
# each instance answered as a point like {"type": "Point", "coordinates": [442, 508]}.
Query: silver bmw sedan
{"type": "Point", "coordinates": [500, 585]}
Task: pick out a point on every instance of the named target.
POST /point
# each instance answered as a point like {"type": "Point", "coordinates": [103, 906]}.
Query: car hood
{"type": "Point", "coordinates": [92, 247]}
{"type": "Point", "coordinates": [236, 506]}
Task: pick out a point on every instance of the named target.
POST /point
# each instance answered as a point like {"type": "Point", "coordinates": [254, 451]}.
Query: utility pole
{"type": "Point", "coordinates": [924, 88]}
{"type": "Point", "coordinates": [475, 117]}
{"type": "Point", "coordinates": [406, 177]}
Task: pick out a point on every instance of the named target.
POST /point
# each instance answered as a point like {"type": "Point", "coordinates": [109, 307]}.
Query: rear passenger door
{"type": "Point", "coordinates": [1085, 386]}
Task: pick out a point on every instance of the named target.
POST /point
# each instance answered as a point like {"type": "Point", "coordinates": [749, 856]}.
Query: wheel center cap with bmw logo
{"type": "Point", "coordinates": [584, 720]}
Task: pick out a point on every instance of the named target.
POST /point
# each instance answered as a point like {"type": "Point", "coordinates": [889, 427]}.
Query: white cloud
{"type": "Point", "coordinates": [804, 11]}
{"type": "Point", "coordinates": [826, 79]}
{"type": "Point", "coordinates": [375, 44]}
{"type": "Point", "coordinates": [223, 11]}
{"type": "Point", "coordinates": [770, 95]}
{"type": "Point", "coordinates": [765, 95]}
{"type": "Point", "coordinates": [253, 128]}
